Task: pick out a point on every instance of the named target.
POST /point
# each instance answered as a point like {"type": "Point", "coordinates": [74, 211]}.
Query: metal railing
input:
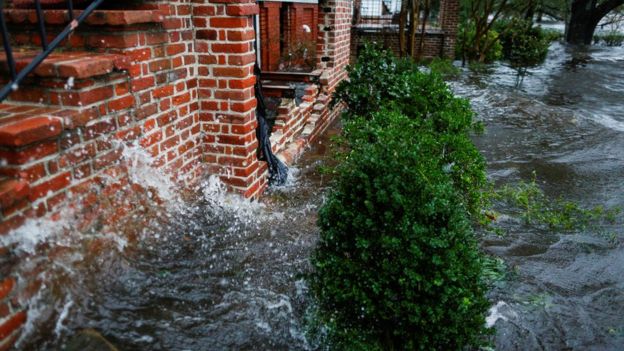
{"type": "Point", "coordinates": [47, 47]}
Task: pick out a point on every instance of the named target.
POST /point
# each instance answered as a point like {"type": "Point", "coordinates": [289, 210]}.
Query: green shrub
{"type": "Point", "coordinates": [468, 46]}
{"type": "Point", "coordinates": [444, 68]}
{"type": "Point", "coordinates": [551, 35]}
{"type": "Point", "coordinates": [428, 102]}
{"type": "Point", "coordinates": [523, 44]}
{"type": "Point", "coordinates": [372, 80]}
{"type": "Point", "coordinates": [397, 266]}
{"type": "Point", "coordinates": [610, 39]}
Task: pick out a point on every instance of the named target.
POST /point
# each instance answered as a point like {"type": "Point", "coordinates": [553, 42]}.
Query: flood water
{"type": "Point", "coordinates": [564, 121]}
{"type": "Point", "coordinates": [215, 272]}
{"type": "Point", "coordinates": [218, 273]}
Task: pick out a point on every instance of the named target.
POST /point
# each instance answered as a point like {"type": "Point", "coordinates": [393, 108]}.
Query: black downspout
{"type": "Point", "coordinates": [278, 171]}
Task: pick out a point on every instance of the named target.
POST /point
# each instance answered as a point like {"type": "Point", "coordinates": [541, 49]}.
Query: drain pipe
{"type": "Point", "coordinates": [278, 171]}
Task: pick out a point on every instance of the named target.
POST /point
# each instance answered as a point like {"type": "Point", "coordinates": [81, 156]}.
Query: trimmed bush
{"type": "Point", "coordinates": [380, 81]}
{"type": "Point", "coordinates": [374, 80]}
{"type": "Point", "coordinates": [523, 44]}
{"type": "Point", "coordinates": [397, 264]}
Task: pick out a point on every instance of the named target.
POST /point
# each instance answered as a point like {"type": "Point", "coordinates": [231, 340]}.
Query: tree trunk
{"type": "Point", "coordinates": [402, 23]}
{"type": "Point", "coordinates": [582, 23]}
{"type": "Point", "coordinates": [585, 16]}
{"type": "Point", "coordinates": [357, 12]}
{"type": "Point", "coordinates": [581, 29]}
{"type": "Point", "coordinates": [414, 20]}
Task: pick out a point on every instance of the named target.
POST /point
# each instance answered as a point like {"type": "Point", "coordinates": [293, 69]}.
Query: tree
{"type": "Point", "coordinates": [409, 21]}
{"type": "Point", "coordinates": [585, 16]}
{"type": "Point", "coordinates": [480, 17]}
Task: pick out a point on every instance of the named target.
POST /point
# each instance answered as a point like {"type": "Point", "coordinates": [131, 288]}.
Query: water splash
{"type": "Point", "coordinates": [141, 171]}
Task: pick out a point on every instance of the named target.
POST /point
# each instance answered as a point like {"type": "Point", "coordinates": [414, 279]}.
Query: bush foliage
{"type": "Point", "coordinates": [609, 39]}
{"type": "Point", "coordinates": [472, 49]}
{"type": "Point", "coordinates": [523, 44]}
{"type": "Point", "coordinates": [380, 81]}
{"type": "Point", "coordinates": [397, 266]}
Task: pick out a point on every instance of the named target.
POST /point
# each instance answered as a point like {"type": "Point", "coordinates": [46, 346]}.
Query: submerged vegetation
{"type": "Point", "coordinates": [517, 41]}
{"type": "Point", "coordinates": [609, 39]}
{"type": "Point", "coordinates": [397, 266]}
{"type": "Point", "coordinates": [529, 202]}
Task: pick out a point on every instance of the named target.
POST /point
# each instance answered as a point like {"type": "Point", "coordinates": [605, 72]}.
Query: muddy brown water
{"type": "Point", "coordinates": [219, 273]}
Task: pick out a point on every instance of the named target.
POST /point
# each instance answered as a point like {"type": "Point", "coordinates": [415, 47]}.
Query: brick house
{"type": "Point", "coordinates": [175, 78]}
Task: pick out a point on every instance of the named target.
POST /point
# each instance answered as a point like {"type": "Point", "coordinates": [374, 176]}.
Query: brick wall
{"type": "Point", "coordinates": [435, 42]}
{"type": "Point", "coordinates": [449, 22]}
{"type": "Point", "coordinates": [225, 49]}
{"type": "Point", "coordinates": [333, 48]}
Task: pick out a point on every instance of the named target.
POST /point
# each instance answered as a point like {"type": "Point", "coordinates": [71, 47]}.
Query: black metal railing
{"type": "Point", "coordinates": [47, 47]}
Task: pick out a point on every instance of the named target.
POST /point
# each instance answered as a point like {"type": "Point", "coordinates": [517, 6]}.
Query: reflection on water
{"type": "Point", "coordinates": [565, 121]}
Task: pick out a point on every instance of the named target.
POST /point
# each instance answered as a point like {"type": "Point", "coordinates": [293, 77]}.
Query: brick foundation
{"type": "Point", "coordinates": [174, 78]}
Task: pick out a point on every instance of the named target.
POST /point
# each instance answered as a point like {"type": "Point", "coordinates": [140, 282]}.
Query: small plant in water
{"type": "Point", "coordinates": [534, 207]}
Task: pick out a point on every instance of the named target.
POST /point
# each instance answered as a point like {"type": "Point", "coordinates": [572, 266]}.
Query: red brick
{"type": "Point", "coordinates": [12, 191]}
{"type": "Point", "coordinates": [242, 84]}
{"type": "Point", "coordinates": [121, 103]}
{"type": "Point", "coordinates": [242, 10]}
{"type": "Point", "coordinates": [53, 185]}
{"type": "Point", "coordinates": [6, 286]}
{"type": "Point", "coordinates": [243, 106]}
{"type": "Point", "coordinates": [27, 131]}
{"type": "Point", "coordinates": [235, 72]}
{"type": "Point", "coordinates": [29, 154]}
{"type": "Point", "coordinates": [163, 91]}
{"type": "Point", "coordinates": [12, 324]}
{"type": "Point", "coordinates": [181, 99]}
{"type": "Point", "coordinates": [86, 67]}
{"type": "Point", "coordinates": [229, 22]}
{"type": "Point", "coordinates": [99, 128]}
{"type": "Point", "coordinates": [107, 159]}
{"type": "Point", "coordinates": [231, 48]}
{"type": "Point", "coordinates": [125, 40]}
{"type": "Point", "coordinates": [10, 224]}
{"type": "Point", "coordinates": [77, 155]}
{"type": "Point", "coordinates": [151, 139]}
{"type": "Point", "coordinates": [176, 49]}
{"type": "Point", "coordinates": [83, 98]}
{"type": "Point", "coordinates": [160, 65]}
{"type": "Point", "coordinates": [142, 83]}
{"type": "Point", "coordinates": [207, 34]}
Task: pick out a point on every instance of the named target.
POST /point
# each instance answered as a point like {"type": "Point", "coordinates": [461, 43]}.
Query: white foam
{"type": "Point", "coordinates": [497, 313]}
{"type": "Point", "coordinates": [33, 233]}
{"type": "Point", "coordinates": [141, 171]}
{"type": "Point", "coordinates": [63, 315]}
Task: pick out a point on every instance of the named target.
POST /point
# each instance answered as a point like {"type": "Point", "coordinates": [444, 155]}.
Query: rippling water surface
{"type": "Point", "coordinates": [565, 121]}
